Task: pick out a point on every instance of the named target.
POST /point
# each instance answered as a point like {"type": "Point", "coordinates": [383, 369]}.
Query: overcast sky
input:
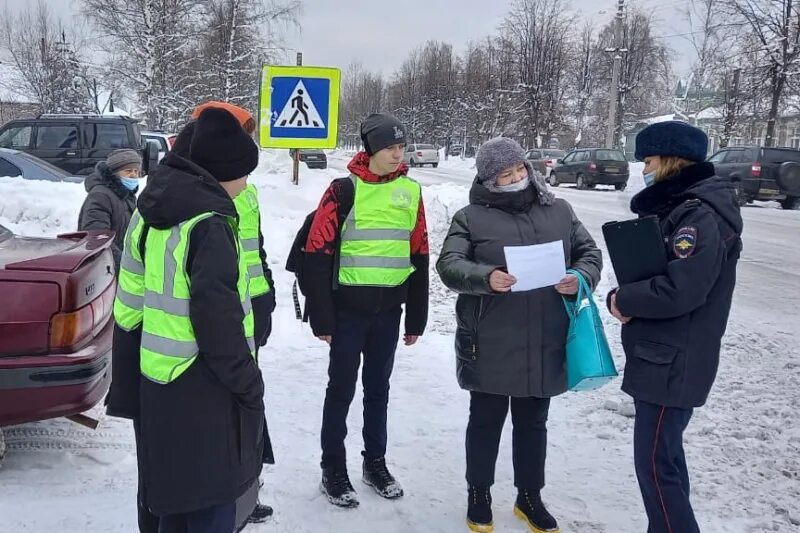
{"type": "Point", "coordinates": [380, 34]}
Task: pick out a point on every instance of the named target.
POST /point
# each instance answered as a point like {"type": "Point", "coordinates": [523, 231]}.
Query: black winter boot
{"type": "Point", "coordinates": [377, 476]}
{"type": "Point", "coordinates": [530, 509]}
{"type": "Point", "coordinates": [260, 514]}
{"type": "Point", "coordinates": [338, 489]}
{"type": "Point", "coordinates": [479, 510]}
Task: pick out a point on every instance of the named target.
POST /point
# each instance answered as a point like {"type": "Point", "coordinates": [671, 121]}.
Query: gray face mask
{"type": "Point", "coordinates": [521, 185]}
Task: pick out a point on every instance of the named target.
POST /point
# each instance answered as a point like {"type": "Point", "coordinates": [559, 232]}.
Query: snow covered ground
{"type": "Point", "coordinates": [743, 447]}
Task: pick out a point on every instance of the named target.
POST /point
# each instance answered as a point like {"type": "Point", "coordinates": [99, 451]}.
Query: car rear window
{"type": "Point", "coordinates": [555, 153]}
{"type": "Point", "coordinates": [772, 155]}
{"type": "Point", "coordinates": [426, 147]}
{"type": "Point", "coordinates": [610, 155]}
{"type": "Point", "coordinates": [44, 164]}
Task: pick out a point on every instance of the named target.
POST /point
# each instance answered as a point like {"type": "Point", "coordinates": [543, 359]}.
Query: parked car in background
{"type": "Point", "coordinates": [761, 173]}
{"type": "Point", "coordinates": [16, 164]}
{"type": "Point", "coordinates": [165, 141]}
{"type": "Point", "coordinates": [544, 159]}
{"type": "Point", "coordinates": [73, 143]}
{"type": "Point", "coordinates": [592, 166]}
{"type": "Point", "coordinates": [312, 157]}
{"type": "Point", "coordinates": [55, 324]}
{"type": "Point", "coordinates": [417, 155]}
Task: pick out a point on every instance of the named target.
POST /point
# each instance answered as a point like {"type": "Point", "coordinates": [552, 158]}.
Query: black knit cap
{"type": "Point", "coordinates": [381, 130]}
{"type": "Point", "coordinates": [222, 147]}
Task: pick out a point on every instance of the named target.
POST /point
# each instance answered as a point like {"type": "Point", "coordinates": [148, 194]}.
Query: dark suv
{"type": "Point", "coordinates": [761, 173]}
{"type": "Point", "coordinates": [592, 166]}
{"type": "Point", "coordinates": [74, 143]}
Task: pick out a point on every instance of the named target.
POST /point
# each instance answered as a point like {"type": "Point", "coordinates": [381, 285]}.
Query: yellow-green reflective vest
{"type": "Point", "coordinates": [246, 203]}
{"type": "Point", "coordinates": [155, 293]}
{"type": "Point", "coordinates": [376, 235]}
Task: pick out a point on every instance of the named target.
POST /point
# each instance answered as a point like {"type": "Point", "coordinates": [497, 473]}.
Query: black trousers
{"type": "Point", "coordinates": [376, 337]}
{"type": "Point", "coordinates": [661, 467]}
{"type": "Point", "coordinates": [487, 415]}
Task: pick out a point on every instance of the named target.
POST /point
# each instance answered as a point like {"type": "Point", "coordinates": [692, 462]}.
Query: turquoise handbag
{"type": "Point", "coordinates": [589, 361]}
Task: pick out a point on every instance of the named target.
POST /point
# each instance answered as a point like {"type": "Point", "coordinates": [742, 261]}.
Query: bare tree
{"type": "Point", "coordinates": [645, 79]}
{"type": "Point", "coordinates": [539, 31]}
{"type": "Point", "coordinates": [775, 29]}
{"type": "Point", "coordinates": [47, 61]}
{"type": "Point", "coordinates": [240, 36]}
{"type": "Point", "coordinates": [152, 43]}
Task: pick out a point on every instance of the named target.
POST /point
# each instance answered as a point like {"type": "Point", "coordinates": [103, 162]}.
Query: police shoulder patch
{"type": "Point", "coordinates": [684, 241]}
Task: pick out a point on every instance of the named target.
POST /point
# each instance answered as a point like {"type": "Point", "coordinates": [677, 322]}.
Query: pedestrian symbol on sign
{"type": "Point", "coordinates": [300, 111]}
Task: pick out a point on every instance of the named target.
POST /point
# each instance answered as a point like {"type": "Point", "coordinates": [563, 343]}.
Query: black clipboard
{"type": "Point", "coordinates": [636, 248]}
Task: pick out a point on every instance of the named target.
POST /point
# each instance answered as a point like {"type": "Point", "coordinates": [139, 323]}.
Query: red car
{"type": "Point", "coordinates": [56, 301]}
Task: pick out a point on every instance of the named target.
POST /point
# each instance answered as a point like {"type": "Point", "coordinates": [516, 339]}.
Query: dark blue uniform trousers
{"type": "Point", "coordinates": [376, 337]}
{"type": "Point", "coordinates": [661, 467]}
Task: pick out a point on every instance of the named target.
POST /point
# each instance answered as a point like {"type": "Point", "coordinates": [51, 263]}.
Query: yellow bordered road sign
{"type": "Point", "coordinates": [299, 107]}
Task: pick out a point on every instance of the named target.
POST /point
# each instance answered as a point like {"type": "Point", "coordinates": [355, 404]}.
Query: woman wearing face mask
{"type": "Point", "coordinates": [111, 197]}
{"type": "Point", "coordinates": [510, 346]}
{"type": "Point", "coordinates": [674, 322]}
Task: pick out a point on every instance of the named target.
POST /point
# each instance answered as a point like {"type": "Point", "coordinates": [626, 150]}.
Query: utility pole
{"type": "Point", "coordinates": [611, 137]}
{"type": "Point", "coordinates": [296, 166]}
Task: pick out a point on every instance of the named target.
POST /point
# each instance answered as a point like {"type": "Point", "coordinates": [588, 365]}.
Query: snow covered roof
{"type": "Point", "coordinates": [656, 120]}
{"type": "Point", "coordinates": [710, 113]}
{"type": "Point", "coordinates": [12, 88]}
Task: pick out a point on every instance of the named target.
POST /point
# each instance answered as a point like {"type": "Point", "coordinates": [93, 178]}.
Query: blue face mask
{"type": "Point", "coordinates": [130, 183]}
{"type": "Point", "coordinates": [649, 178]}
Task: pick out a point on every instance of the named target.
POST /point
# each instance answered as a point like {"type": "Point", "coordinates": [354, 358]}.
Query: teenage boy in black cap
{"type": "Point", "coordinates": [366, 256]}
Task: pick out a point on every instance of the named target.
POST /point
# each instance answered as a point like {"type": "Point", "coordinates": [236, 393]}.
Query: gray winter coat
{"type": "Point", "coordinates": [511, 344]}
{"type": "Point", "coordinates": [108, 206]}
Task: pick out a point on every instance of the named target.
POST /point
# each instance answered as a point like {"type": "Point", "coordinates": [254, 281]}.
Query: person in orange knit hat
{"type": "Point", "coordinates": [244, 117]}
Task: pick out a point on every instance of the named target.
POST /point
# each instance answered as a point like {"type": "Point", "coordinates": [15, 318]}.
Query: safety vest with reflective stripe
{"type": "Point", "coordinates": [246, 203]}
{"type": "Point", "coordinates": [376, 235]}
{"type": "Point", "coordinates": [168, 346]}
{"type": "Point", "coordinates": [129, 303]}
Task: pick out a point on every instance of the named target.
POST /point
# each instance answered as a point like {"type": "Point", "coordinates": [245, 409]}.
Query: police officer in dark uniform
{"type": "Point", "coordinates": [674, 322]}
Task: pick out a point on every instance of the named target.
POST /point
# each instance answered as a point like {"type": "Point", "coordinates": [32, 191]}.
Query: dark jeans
{"type": "Point", "coordinates": [487, 415]}
{"type": "Point", "coordinates": [219, 519]}
{"type": "Point", "coordinates": [376, 337]}
{"type": "Point", "coordinates": [661, 467]}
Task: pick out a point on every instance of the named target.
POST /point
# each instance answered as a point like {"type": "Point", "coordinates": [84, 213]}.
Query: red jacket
{"type": "Point", "coordinates": [323, 242]}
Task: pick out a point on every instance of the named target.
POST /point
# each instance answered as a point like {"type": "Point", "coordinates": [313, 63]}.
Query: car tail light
{"type": "Point", "coordinates": [756, 170]}
{"type": "Point", "coordinates": [419, 154]}
{"type": "Point", "coordinates": [592, 166]}
{"type": "Point", "coordinates": [69, 329]}
{"type": "Point", "coordinates": [548, 162]}
{"type": "Point", "coordinates": [171, 140]}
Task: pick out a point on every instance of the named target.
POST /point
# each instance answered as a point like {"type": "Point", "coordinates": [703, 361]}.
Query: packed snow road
{"type": "Point", "coordinates": [743, 447]}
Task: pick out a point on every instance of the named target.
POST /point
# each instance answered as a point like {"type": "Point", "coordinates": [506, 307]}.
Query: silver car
{"type": "Point", "coordinates": [417, 155]}
{"type": "Point", "coordinates": [16, 164]}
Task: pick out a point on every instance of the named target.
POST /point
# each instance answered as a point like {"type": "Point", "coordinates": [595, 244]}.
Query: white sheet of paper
{"type": "Point", "coordinates": [536, 266]}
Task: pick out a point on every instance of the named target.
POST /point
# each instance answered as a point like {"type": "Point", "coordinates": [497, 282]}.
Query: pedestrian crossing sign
{"type": "Point", "coordinates": [299, 107]}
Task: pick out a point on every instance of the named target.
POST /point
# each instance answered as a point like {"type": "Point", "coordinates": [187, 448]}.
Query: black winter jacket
{"type": "Point", "coordinates": [201, 435]}
{"type": "Point", "coordinates": [512, 344]}
{"type": "Point", "coordinates": [108, 206]}
{"type": "Point", "coordinates": [672, 345]}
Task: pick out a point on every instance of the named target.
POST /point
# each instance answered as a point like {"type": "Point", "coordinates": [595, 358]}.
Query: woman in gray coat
{"type": "Point", "coordinates": [111, 198]}
{"type": "Point", "coordinates": [510, 346]}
